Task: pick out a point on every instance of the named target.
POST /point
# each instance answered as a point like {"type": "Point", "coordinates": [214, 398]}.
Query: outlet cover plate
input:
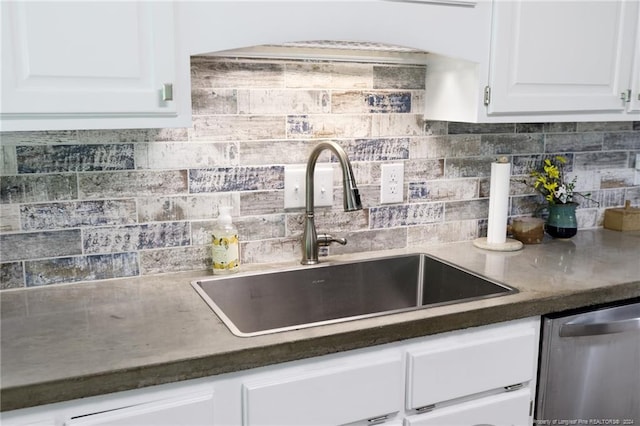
{"type": "Point", "coordinates": [295, 186]}
{"type": "Point", "coordinates": [392, 183]}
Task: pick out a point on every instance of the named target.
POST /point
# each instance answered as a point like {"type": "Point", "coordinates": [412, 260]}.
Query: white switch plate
{"type": "Point", "coordinates": [295, 186]}
{"type": "Point", "coordinates": [392, 183]}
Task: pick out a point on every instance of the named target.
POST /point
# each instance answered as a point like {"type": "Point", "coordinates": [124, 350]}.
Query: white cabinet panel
{"type": "Point", "coordinates": [634, 102]}
{"type": "Point", "coordinates": [329, 394]}
{"type": "Point", "coordinates": [478, 362]}
{"type": "Point", "coordinates": [561, 56]}
{"type": "Point", "coordinates": [87, 61]}
{"type": "Point", "coordinates": [507, 409]}
{"type": "Point", "coordinates": [195, 409]}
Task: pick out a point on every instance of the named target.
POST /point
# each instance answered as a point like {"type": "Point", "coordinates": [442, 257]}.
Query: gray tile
{"type": "Point", "coordinates": [80, 268]}
{"type": "Point", "coordinates": [11, 275]}
{"type": "Point", "coordinates": [208, 101]}
{"type": "Point", "coordinates": [38, 188]}
{"type": "Point", "coordinates": [39, 138]}
{"type": "Point", "coordinates": [466, 128]}
{"type": "Point", "coordinates": [511, 144]}
{"type": "Point", "coordinates": [622, 140]}
{"type": "Point", "coordinates": [175, 260]}
{"type": "Point", "coordinates": [278, 101]}
{"type": "Point", "coordinates": [464, 210]}
{"type": "Point", "coordinates": [560, 127]}
{"type": "Point", "coordinates": [420, 170]}
{"type": "Point", "coordinates": [573, 142]}
{"type": "Point", "coordinates": [104, 136]}
{"type": "Point", "coordinates": [443, 190]}
{"type": "Point", "coordinates": [600, 160]}
{"type": "Point", "coordinates": [132, 184]}
{"type": "Point", "coordinates": [606, 126]}
{"type": "Point", "coordinates": [218, 73]}
{"type": "Point", "coordinates": [185, 155]}
{"type": "Point", "coordinates": [467, 167]}
{"type": "Point", "coordinates": [445, 146]}
{"type": "Point", "coordinates": [269, 251]}
{"type": "Point", "coordinates": [36, 245]}
{"type": "Point", "coordinates": [261, 202]}
{"type": "Point", "coordinates": [438, 233]}
{"type": "Point", "coordinates": [75, 214]}
{"type": "Point", "coordinates": [329, 220]}
{"type": "Point", "coordinates": [399, 77]}
{"type": "Point", "coordinates": [249, 228]}
{"type": "Point", "coordinates": [9, 218]}
{"type": "Point", "coordinates": [237, 127]}
{"type": "Point", "coordinates": [406, 215]}
{"type": "Point", "coordinates": [371, 102]}
{"type": "Point", "coordinates": [72, 158]}
{"type": "Point", "coordinates": [381, 149]}
{"type": "Point", "coordinates": [253, 153]}
{"type": "Point", "coordinates": [525, 205]}
{"type": "Point", "coordinates": [236, 179]}
{"type": "Point", "coordinates": [328, 126]}
{"type": "Point", "coordinates": [346, 75]}
{"type": "Point", "coordinates": [136, 237]}
{"type": "Point", "coordinates": [372, 240]}
{"type": "Point", "coordinates": [192, 207]}
{"type": "Point", "coordinates": [530, 127]}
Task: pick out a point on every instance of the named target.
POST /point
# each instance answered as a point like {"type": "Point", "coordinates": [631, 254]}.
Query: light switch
{"type": "Point", "coordinates": [295, 186]}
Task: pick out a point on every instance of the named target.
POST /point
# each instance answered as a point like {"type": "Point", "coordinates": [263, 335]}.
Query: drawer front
{"type": "Point", "coordinates": [465, 365]}
{"type": "Point", "coordinates": [330, 395]}
{"type": "Point", "coordinates": [498, 410]}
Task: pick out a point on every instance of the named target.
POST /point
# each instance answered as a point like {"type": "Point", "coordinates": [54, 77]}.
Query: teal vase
{"type": "Point", "coordinates": [562, 222]}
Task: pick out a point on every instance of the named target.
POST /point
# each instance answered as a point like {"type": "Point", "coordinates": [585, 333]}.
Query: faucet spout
{"type": "Point", "coordinates": [351, 198]}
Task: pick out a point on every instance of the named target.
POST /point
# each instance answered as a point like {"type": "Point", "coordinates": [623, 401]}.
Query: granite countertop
{"type": "Point", "coordinates": [70, 341]}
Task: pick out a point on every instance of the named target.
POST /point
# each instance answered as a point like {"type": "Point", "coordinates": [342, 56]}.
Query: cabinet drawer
{"type": "Point", "coordinates": [504, 409]}
{"type": "Point", "coordinates": [328, 394]}
{"type": "Point", "coordinates": [466, 364]}
{"type": "Point", "coordinates": [193, 408]}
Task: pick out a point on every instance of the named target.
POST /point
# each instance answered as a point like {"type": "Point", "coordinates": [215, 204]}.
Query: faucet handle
{"type": "Point", "coordinates": [325, 240]}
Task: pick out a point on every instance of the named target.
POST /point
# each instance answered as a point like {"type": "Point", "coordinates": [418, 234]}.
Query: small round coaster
{"type": "Point", "coordinates": [509, 245]}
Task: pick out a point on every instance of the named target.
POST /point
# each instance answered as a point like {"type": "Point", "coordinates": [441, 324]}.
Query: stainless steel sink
{"type": "Point", "coordinates": [254, 304]}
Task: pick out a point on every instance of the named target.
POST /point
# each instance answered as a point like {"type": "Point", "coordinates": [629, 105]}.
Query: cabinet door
{"type": "Point", "coordinates": [507, 409]}
{"type": "Point", "coordinates": [192, 409]}
{"type": "Point", "coordinates": [458, 366]}
{"type": "Point", "coordinates": [327, 393]}
{"type": "Point", "coordinates": [85, 60]}
{"type": "Point", "coordinates": [634, 102]}
{"type": "Point", "coordinates": [561, 56]}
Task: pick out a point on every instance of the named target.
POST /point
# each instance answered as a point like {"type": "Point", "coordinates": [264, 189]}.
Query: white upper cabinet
{"type": "Point", "coordinates": [549, 61]}
{"type": "Point", "coordinates": [561, 56]}
{"type": "Point", "coordinates": [634, 101]}
{"type": "Point", "coordinates": [70, 65]}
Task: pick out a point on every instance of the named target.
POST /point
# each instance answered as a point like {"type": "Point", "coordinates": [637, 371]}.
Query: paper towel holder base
{"type": "Point", "coordinates": [509, 245]}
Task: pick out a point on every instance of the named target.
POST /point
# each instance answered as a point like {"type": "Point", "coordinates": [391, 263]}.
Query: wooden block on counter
{"type": "Point", "coordinates": [622, 219]}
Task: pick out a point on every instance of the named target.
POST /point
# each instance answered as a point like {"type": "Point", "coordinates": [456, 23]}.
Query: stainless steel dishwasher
{"type": "Point", "coordinates": [590, 368]}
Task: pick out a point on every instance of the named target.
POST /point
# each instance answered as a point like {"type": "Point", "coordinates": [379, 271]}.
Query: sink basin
{"type": "Point", "coordinates": [264, 303]}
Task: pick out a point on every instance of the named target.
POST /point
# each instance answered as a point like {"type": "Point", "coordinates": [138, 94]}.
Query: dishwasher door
{"type": "Point", "coordinates": [590, 368]}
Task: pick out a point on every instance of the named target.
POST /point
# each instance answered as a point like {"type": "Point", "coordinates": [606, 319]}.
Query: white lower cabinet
{"type": "Point", "coordinates": [477, 376]}
{"type": "Point", "coordinates": [165, 405]}
{"type": "Point", "coordinates": [505, 409]}
{"type": "Point", "coordinates": [361, 388]}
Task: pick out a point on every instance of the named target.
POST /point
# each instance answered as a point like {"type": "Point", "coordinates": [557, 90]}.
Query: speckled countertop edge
{"type": "Point", "coordinates": [174, 336]}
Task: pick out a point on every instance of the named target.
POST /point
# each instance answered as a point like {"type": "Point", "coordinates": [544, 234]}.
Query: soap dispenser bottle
{"type": "Point", "coordinates": [225, 248]}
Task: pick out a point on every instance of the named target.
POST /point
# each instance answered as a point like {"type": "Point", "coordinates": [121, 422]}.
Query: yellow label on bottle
{"type": "Point", "coordinates": [225, 253]}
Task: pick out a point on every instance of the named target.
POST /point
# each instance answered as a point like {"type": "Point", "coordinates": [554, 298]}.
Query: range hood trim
{"type": "Point", "coordinates": [320, 53]}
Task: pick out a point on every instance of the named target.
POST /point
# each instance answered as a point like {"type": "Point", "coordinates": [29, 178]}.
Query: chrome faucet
{"type": "Point", "coordinates": [310, 239]}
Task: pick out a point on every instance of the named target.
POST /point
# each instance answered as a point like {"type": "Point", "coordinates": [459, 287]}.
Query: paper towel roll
{"type": "Point", "coordinates": [498, 203]}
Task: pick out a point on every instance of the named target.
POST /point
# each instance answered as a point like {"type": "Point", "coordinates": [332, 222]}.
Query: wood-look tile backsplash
{"type": "Point", "coordinates": [96, 204]}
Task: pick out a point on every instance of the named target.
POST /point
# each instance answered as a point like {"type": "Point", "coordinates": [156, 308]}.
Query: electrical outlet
{"type": "Point", "coordinates": [392, 183]}
{"type": "Point", "coordinates": [295, 186]}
